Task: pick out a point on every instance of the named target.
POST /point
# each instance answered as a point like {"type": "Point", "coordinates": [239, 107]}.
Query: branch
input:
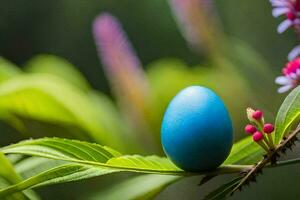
{"type": "Point", "coordinates": [285, 163]}
{"type": "Point", "coordinates": [271, 157]}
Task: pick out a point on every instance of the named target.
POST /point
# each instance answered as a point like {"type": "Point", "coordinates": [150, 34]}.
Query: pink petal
{"type": "Point", "coordinates": [276, 12]}
{"type": "Point", "coordinates": [282, 80]}
{"type": "Point", "coordinates": [293, 75]}
{"type": "Point", "coordinates": [284, 25]}
{"type": "Point", "coordinates": [294, 52]}
{"type": "Point", "coordinates": [279, 3]}
{"type": "Point", "coordinates": [284, 88]}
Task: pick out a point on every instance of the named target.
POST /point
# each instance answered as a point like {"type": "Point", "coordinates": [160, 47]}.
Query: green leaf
{"type": "Point", "coordinates": [60, 174]}
{"type": "Point", "coordinates": [18, 196]}
{"type": "Point", "coordinates": [46, 103]}
{"type": "Point", "coordinates": [9, 177]}
{"type": "Point", "coordinates": [224, 190]}
{"type": "Point", "coordinates": [14, 158]}
{"type": "Point", "coordinates": [288, 116]}
{"type": "Point", "coordinates": [111, 119]}
{"type": "Point", "coordinates": [148, 163]}
{"type": "Point", "coordinates": [101, 156]}
{"type": "Point", "coordinates": [31, 166]}
{"type": "Point", "coordinates": [7, 70]}
{"type": "Point", "coordinates": [50, 64]}
{"type": "Point", "coordinates": [88, 160]}
{"type": "Point", "coordinates": [63, 149]}
{"type": "Point", "coordinates": [107, 113]}
{"type": "Point", "coordinates": [167, 77]}
{"type": "Point", "coordinates": [244, 151]}
{"type": "Point", "coordinates": [91, 160]}
{"type": "Point", "coordinates": [142, 186]}
{"type": "Point", "coordinates": [7, 171]}
{"type": "Point", "coordinates": [139, 187]}
{"type": "Point", "coordinates": [91, 154]}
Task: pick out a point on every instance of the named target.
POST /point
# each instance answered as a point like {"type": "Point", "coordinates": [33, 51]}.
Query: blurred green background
{"type": "Point", "coordinates": [63, 28]}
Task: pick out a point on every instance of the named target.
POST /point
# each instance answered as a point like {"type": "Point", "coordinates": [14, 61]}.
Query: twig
{"type": "Point", "coordinates": [285, 162]}
{"type": "Point", "coordinates": [271, 157]}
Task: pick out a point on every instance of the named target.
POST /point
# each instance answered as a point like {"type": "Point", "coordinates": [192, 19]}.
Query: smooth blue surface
{"type": "Point", "coordinates": [196, 130]}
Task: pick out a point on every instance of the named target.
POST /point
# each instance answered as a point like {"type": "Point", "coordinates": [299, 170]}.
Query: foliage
{"type": "Point", "coordinates": [288, 116]}
{"type": "Point", "coordinates": [85, 160]}
{"type": "Point", "coordinates": [51, 98]}
{"type": "Point", "coordinates": [130, 188]}
{"type": "Point", "coordinates": [10, 177]}
{"type": "Point", "coordinates": [45, 100]}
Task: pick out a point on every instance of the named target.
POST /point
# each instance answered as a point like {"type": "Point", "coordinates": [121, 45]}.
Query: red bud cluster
{"type": "Point", "coordinates": [259, 129]}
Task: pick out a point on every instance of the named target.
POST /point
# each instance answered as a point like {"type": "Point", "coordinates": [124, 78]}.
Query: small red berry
{"type": "Point", "coordinates": [268, 128]}
{"type": "Point", "coordinates": [257, 114]}
{"type": "Point", "coordinates": [257, 136]}
{"type": "Point", "coordinates": [250, 129]}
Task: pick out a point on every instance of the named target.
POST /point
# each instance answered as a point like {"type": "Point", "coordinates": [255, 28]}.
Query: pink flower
{"type": "Point", "coordinates": [291, 76]}
{"type": "Point", "coordinates": [289, 8]}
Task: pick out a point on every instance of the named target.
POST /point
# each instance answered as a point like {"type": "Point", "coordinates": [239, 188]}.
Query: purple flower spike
{"type": "Point", "coordinates": [119, 59]}
{"type": "Point", "coordinates": [196, 22]}
{"type": "Point", "coordinates": [289, 8]}
{"type": "Point", "coordinates": [122, 68]}
{"type": "Point", "coordinates": [113, 46]}
{"type": "Point", "coordinates": [182, 10]}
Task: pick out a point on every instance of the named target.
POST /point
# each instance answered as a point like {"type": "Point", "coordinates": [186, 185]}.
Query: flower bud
{"type": "Point", "coordinates": [250, 129]}
{"type": "Point", "coordinates": [250, 112]}
{"type": "Point", "coordinates": [257, 136]}
{"type": "Point", "coordinates": [268, 128]}
{"type": "Point", "coordinates": [257, 114]}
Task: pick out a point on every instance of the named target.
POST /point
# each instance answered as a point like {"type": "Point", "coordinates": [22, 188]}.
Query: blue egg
{"type": "Point", "coordinates": [196, 130]}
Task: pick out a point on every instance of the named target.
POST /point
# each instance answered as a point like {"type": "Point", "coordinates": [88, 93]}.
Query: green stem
{"type": "Point", "coordinates": [270, 138]}
{"type": "Point", "coordinates": [263, 145]}
{"type": "Point", "coordinates": [285, 163]}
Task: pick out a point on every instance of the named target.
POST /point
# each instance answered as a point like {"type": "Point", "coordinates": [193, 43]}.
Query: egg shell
{"type": "Point", "coordinates": [196, 131]}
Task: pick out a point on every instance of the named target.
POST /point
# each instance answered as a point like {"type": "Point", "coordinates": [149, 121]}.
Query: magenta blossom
{"type": "Point", "coordinates": [291, 76]}
{"type": "Point", "coordinates": [289, 8]}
